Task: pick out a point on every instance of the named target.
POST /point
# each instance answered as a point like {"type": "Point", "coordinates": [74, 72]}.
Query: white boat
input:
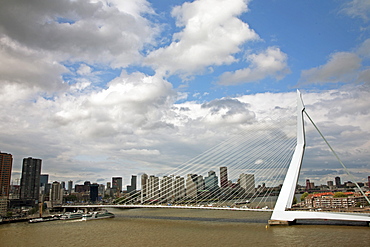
{"type": "Point", "coordinates": [97, 215]}
{"type": "Point", "coordinates": [72, 215]}
{"type": "Point", "coordinates": [37, 220]}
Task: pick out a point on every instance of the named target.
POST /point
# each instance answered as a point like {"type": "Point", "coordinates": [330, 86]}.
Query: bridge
{"type": "Point", "coordinates": [97, 206]}
{"type": "Point", "coordinates": [258, 169]}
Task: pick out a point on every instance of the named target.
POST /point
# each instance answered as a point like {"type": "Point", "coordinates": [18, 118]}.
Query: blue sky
{"type": "Point", "coordinates": [91, 85]}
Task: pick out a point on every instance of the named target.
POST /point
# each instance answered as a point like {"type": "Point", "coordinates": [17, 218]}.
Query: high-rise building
{"type": "Point", "coordinates": [56, 196]}
{"type": "Point", "coordinates": [211, 181]}
{"type": "Point", "coordinates": [6, 161]}
{"type": "Point", "coordinates": [87, 186]}
{"type": "Point", "coordinates": [338, 182]}
{"type": "Point", "coordinates": [144, 187]}
{"type": "Point", "coordinates": [44, 179]}
{"type": "Point", "coordinates": [70, 186]}
{"type": "Point", "coordinates": [117, 184]}
{"type": "Point", "coordinates": [44, 184]}
{"type": "Point", "coordinates": [179, 187]}
{"type": "Point", "coordinates": [191, 185]}
{"type": "Point", "coordinates": [246, 181]}
{"type": "Point", "coordinates": [79, 188]}
{"type": "Point", "coordinates": [30, 180]}
{"type": "Point", "coordinates": [153, 188]}
{"type": "Point", "coordinates": [167, 188]}
{"type": "Point", "coordinates": [101, 189]}
{"type": "Point", "coordinates": [132, 186]}
{"type": "Point", "coordinates": [308, 184]}
{"type": "Point", "coordinates": [223, 177]}
{"type": "Point", "coordinates": [94, 192]}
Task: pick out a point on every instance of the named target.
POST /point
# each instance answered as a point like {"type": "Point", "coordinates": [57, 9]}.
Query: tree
{"type": "Point", "coordinates": [339, 194]}
{"type": "Point", "coordinates": [303, 196]}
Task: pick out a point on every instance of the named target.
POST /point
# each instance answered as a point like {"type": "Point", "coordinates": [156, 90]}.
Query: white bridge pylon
{"type": "Point", "coordinates": [282, 214]}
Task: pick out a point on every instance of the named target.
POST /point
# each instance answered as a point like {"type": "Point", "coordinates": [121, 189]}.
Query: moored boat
{"type": "Point", "coordinates": [42, 219]}
{"type": "Point", "coordinates": [97, 215]}
{"type": "Point", "coordinates": [72, 215]}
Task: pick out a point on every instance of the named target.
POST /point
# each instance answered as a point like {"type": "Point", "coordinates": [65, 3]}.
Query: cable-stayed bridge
{"type": "Point", "coordinates": [257, 170]}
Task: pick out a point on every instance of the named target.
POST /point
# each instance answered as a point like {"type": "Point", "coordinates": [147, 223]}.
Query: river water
{"type": "Point", "coordinates": [180, 227]}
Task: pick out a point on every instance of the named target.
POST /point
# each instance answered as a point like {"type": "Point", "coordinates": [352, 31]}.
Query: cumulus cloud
{"type": "Point", "coordinates": [345, 67]}
{"type": "Point", "coordinates": [82, 30]}
{"type": "Point", "coordinates": [28, 68]}
{"type": "Point", "coordinates": [211, 34]}
{"type": "Point", "coordinates": [230, 111]}
{"type": "Point", "coordinates": [84, 128]}
{"type": "Point", "coordinates": [129, 103]}
{"type": "Point", "coordinates": [270, 63]}
{"type": "Point", "coordinates": [341, 67]}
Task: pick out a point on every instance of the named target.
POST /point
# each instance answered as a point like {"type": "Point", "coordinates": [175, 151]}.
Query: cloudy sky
{"type": "Point", "coordinates": [106, 88]}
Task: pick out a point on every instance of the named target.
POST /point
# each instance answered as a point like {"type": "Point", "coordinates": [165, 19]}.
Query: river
{"type": "Point", "coordinates": [180, 227]}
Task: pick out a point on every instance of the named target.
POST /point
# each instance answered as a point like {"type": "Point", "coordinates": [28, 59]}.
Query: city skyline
{"type": "Point", "coordinates": [33, 165]}
{"type": "Point", "coordinates": [104, 88]}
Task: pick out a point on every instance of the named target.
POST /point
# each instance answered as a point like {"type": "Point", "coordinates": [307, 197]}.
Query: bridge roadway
{"type": "Point", "coordinates": [164, 206]}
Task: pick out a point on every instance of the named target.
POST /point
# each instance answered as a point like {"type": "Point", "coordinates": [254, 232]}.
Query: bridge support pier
{"type": "Point", "coordinates": [280, 223]}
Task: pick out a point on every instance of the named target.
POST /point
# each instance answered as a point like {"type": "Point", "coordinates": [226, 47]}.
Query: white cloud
{"type": "Point", "coordinates": [84, 69]}
{"type": "Point", "coordinates": [270, 63]}
{"type": "Point", "coordinates": [358, 8]}
{"type": "Point", "coordinates": [133, 124]}
{"type": "Point", "coordinates": [79, 30]}
{"type": "Point", "coordinates": [212, 33]}
{"type": "Point", "coordinates": [341, 67]}
{"type": "Point", "coordinates": [364, 49]}
{"type": "Point", "coordinates": [130, 102]}
{"type": "Point", "coordinates": [29, 68]}
{"type": "Point", "coordinates": [346, 67]}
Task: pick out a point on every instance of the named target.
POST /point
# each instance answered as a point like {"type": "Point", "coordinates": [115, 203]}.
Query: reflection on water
{"type": "Point", "coordinates": [179, 227]}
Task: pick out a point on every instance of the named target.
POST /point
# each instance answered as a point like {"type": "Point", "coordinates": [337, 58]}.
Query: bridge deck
{"type": "Point", "coordinates": [166, 206]}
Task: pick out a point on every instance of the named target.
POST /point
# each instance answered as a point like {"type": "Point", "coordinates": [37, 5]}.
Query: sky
{"type": "Point", "coordinates": [98, 89]}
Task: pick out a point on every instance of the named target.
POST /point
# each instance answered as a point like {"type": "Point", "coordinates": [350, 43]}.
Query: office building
{"type": "Point", "coordinates": [87, 186]}
{"type": "Point", "coordinates": [30, 180]}
{"type": "Point", "coordinates": [211, 181]}
{"type": "Point", "coordinates": [223, 177]}
{"type": "Point", "coordinates": [56, 196]}
{"type": "Point", "coordinates": [101, 189]}
{"type": "Point", "coordinates": [70, 186]}
{"type": "Point", "coordinates": [44, 180]}
{"type": "Point", "coordinates": [153, 188]}
{"type": "Point", "coordinates": [338, 182]}
{"type": "Point", "coordinates": [132, 186]}
{"type": "Point", "coordinates": [179, 188]}
{"type": "Point", "coordinates": [6, 162]}
{"type": "Point", "coordinates": [191, 185]}
{"type": "Point", "coordinates": [167, 192]}
{"type": "Point", "coordinates": [144, 187]}
{"type": "Point", "coordinates": [247, 182]}
{"type": "Point", "coordinates": [308, 185]}
{"type": "Point", "coordinates": [94, 192]}
{"type": "Point", "coordinates": [79, 188]}
{"type": "Point", "coordinates": [117, 184]}
{"type": "Point", "coordinates": [44, 185]}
